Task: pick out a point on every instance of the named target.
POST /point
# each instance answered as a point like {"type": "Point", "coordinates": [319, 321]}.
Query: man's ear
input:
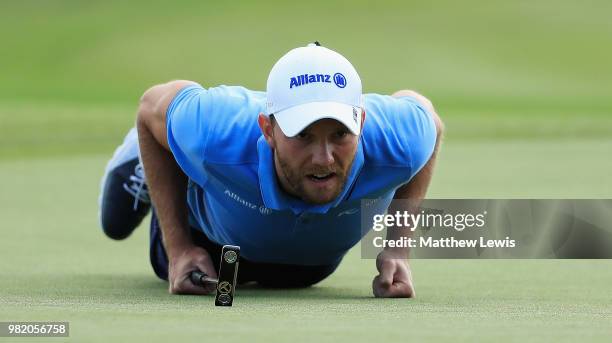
{"type": "Point", "coordinates": [363, 116]}
{"type": "Point", "coordinates": [265, 125]}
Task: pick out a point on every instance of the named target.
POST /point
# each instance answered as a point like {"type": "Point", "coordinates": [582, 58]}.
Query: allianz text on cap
{"type": "Point", "coordinates": [311, 83]}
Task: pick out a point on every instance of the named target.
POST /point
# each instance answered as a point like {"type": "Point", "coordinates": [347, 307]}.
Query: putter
{"type": "Point", "coordinates": [202, 279]}
{"type": "Point", "coordinates": [228, 273]}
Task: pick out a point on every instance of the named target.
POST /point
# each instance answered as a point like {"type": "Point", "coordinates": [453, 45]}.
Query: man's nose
{"type": "Point", "coordinates": [323, 154]}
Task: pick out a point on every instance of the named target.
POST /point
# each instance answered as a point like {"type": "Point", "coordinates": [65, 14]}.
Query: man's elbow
{"type": "Point", "coordinates": [439, 125]}
{"type": "Point", "coordinates": [149, 101]}
{"type": "Point", "coordinates": [154, 102]}
{"type": "Point", "coordinates": [146, 106]}
{"type": "Point", "coordinates": [156, 99]}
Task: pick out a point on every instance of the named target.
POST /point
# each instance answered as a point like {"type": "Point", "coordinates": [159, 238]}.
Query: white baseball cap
{"type": "Point", "coordinates": [312, 83]}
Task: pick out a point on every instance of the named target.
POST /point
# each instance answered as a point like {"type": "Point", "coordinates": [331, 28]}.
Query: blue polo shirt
{"type": "Point", "coordinates": [234, 196]}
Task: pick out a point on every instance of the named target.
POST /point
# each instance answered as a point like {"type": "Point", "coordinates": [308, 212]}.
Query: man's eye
{"type": "Point", "coordinates": [302, 135]}
{"type": "Point", "coordinates": [341, 133]}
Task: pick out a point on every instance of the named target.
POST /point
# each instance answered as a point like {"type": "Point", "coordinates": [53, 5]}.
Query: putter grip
{"type": "Point", "coordinates": [196, 277]}
{"type": "Point", "coordinates": [201, 279]}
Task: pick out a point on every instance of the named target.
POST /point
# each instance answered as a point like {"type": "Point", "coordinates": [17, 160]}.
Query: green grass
{"type": "Point", "coordinates": [523, 88]}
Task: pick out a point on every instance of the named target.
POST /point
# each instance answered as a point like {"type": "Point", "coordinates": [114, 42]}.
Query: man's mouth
{"type": "Point", "coordinates": [321, 177]}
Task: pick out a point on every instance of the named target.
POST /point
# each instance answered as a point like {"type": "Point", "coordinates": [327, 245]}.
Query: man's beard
{"type": "Point", "coordinates": [296, 181]}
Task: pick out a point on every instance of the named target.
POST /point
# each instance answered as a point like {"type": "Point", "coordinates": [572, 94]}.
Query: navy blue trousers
{"type": "Point", "coordinates": [271, 275]}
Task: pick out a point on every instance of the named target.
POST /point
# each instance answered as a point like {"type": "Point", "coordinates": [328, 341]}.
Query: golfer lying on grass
{"type": "Point", "coordinates": [279, 173]}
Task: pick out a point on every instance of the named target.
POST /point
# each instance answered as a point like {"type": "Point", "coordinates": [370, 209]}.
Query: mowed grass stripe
{"type": "Point", "coordinates": [33, 130]}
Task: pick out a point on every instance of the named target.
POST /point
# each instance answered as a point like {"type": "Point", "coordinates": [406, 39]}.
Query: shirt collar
{"type": "Point", "coordinates": [277, 199]}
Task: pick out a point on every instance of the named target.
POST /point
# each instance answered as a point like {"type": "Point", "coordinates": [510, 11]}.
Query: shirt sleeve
{"type": "Point", "coordinates": [188, 131]}
{"type": "Point", "coordinates": [214, 125]}
{"type": "Point", "coordinates": [398, 132]}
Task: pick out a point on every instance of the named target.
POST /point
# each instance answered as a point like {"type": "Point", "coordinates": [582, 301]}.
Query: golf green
{"type": "Point", "coordinates": [57, 265]}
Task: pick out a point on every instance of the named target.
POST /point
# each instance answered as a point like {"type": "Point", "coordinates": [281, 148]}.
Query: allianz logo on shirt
{"type": "Point", "coordinates": [348, 212]}
{"type": "Point", "coordinates": [304, 79]}
{"type": "Point", "coordinates": [262, 209]}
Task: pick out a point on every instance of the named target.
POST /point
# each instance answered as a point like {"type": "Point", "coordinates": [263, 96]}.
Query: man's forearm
{"type": "Point", "coordinates": [167, 186]}
{"type": "Point", "coordinates": [408, 198]}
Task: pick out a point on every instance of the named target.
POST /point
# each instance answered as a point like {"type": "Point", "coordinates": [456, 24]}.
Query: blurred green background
{"type": "Point", "coordinates": [72, 71]}
{"type": "Point", "coordinates": [524, 88]}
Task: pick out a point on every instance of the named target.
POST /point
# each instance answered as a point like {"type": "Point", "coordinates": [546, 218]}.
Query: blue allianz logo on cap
{"type": "Point", "coordinates": [339, 80]}
{"type": "Point", "coordinates": [305, 79]}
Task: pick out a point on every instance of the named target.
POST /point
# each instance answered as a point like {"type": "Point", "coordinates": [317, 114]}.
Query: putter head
{"type": "Point", "coordinates": [228, 274]}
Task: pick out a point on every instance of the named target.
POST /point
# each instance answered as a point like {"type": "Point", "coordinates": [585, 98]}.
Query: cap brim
{"type": "Point", "coordinates": [295, 119]}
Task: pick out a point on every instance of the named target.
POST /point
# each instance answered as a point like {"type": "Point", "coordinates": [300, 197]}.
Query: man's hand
{"type": "Point", "coordinates": [395, 278]}
{"type": "Point", "coordinates": [180, 266]}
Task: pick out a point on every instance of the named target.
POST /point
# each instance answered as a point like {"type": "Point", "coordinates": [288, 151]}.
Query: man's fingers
{"type": "Point", "coordinates": [206, 266]}
{"type": "Point", "coordinates": [180, 271]}
{"type": "Point", "coordinates": [384, 280]}
{"type": "Point", "coordinates": [383, 291]}
{"type": "Point", "coordinates": [183, 285]}
{"type": "Point", "coordinates": [400, 290]}
{"type": "Point", "coordinates": [386, 273]}
{"type": "Point", "coordinates": [395, 290]}
{"type": "Point", "coordinates": [378, 290]}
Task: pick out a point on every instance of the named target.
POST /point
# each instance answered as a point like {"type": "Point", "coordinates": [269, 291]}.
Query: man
{"type": "Point", "coordinates": [281, 173]}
